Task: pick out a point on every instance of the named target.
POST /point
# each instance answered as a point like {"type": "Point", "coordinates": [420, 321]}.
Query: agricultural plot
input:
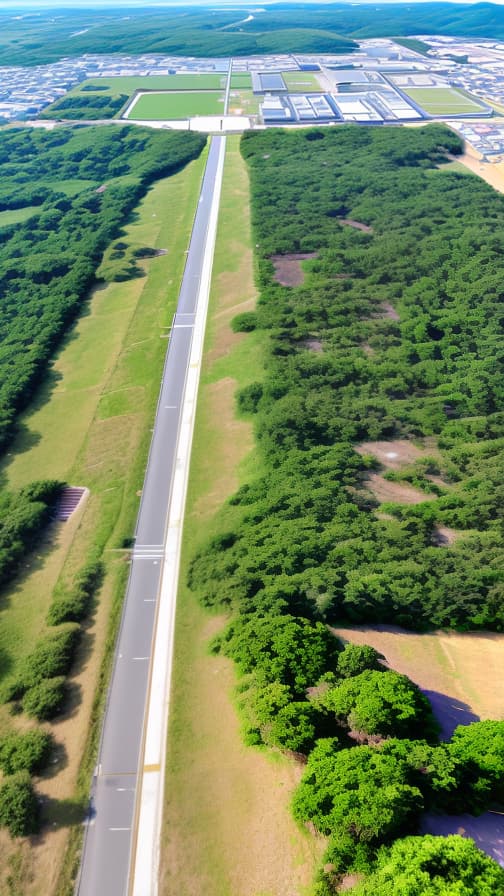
{"type": "Point", "coordinates": [166, 106]}
{"type": "Point", "coordinates": [443, 100]}
{"type": "Point", "coordinates": [302, 82]}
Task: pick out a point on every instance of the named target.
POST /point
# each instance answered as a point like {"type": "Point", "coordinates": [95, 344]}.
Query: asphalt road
{"type": "Point", "coordinates": [110, 827]}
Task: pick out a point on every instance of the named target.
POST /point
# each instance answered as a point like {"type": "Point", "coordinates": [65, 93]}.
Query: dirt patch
{"type": "Point", "coordinates": [358, 225]}
{"type": "Point", "coordinates": [367, 349]}
{"type": "Point", "coordinates": [443, 535]}
{"type": "Point", "coordinates": [460, 673]}
{"type": "Point", "coordinates": [399, 492]}
{"type": "Point", "coordinates": [349, 881]}
{"type": "Point", "coordinates": [398, 453]}
{"type": "Point", "coordinates": [388, 312]}
{"type": "Point", "coordinates": [314, 345]}
{"type": "Point", "coordinates": [288, 270]}
{"type": "Point", "coordinates": [491, 173]}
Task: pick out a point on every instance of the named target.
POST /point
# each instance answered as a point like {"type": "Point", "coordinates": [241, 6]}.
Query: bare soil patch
{"type": "Point", "coordinates": [388, 312]}
{"type": "Point", "coordinates": [367, 349]}
{"type": "Point", "coordinates": [397, 453]}
{"type": "Point", "coordinates": [492, 173]}
{"type": "Point", "coordinates": [443, 535]}
{"type": "Point", "coordinates": [313, 345]}
{"type": "Point", "coordinates": [460, 673]}
{"type": "Point", "coordinates": [288, 270]}
{"type": "Point", "coordinates": [399, 492]}
{"type": "Point", "coordinates": [358, 225]}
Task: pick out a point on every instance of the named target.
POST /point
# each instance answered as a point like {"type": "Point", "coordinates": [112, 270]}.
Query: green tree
{"type": "Point", "coordinates": [18, 805]}
{"type": "Point", "coordinates": [382, 703]}
{"type": "Point", "coordinates": [434, 866]}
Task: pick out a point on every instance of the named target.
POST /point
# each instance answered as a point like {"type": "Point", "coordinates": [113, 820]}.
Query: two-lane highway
{"type": "Point", "coordinates": [110, 830]}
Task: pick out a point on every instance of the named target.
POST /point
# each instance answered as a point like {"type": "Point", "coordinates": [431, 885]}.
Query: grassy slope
{"type": "Point", "coordinates": [90, 424]}
{"type": "Point", "coordinates": [228, 830]}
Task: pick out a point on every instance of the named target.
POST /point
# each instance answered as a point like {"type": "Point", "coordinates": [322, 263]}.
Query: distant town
{"type": "Point", "coordinates": [425, 77]}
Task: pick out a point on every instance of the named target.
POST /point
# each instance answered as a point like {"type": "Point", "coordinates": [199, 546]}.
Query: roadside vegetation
{"type": "Point", "coordinates": [49, 613]}
{"type": "Point", "coordinates": [388, 334]}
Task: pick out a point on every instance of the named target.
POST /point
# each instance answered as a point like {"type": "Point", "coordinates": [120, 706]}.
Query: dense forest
{"type": "Point", "coordinates": [87, 108]}
{"type": "Point", "coordinates": [40, 37]}
{"type": "Point", "coordinates": [389, 334]}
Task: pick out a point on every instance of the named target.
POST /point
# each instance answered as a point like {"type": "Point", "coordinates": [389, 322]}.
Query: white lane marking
{"type": "Point", "coordinates": [141, 657]}
{"type": "Point", "coordinates": [119, 829]}
{"type": "Point", "coordinates": [171, 407]}
{"type": "Point", "coordinates": [149, 600]}
{"type": "Point", "coordinates": [124, 789]}
{"type": "Point", "coordinates": [183, 326]}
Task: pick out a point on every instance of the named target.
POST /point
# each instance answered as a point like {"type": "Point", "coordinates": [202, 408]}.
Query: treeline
{"type": "Point", "coordinates": [48, 263]}
{"type": "Point", "coordinates": [39, 38]}
{"type": "Point", "coordinates": [394, 334]}
{"type": "Point", "coordinates": [85, 107]}
{"type": "Point", "coordinates": [24, 516]}
{"type": "Point", "coordinates": [308, 540]}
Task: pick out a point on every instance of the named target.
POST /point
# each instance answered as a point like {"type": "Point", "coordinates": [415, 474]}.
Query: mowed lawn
{"type": "Point", "coordinates": [228, 830]}
{"type": "Point", "coordinates": [302, 82]}
{"type": "Point", "coordinates": [166, 106]}
{"type": "Point", "coordinates": [90, 424]}
{"type": "Point", "coordinates": [442, 100]}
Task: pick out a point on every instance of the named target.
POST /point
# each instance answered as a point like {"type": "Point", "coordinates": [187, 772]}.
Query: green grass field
{"type": "Point", "coordinates": [166, 106]}
{"type": "Point", "coordinates": [241, 81]}
{"type": "Point", "coordinates": [18, 215]}
{"type": "Point", "coordinates": [302, 82]}
{"type": "Point", "coordinates": [442, 100]}
{"type": "Point", "coordinates": [153, 82]}
{"type": "Point", "coordinates": [90, 423]}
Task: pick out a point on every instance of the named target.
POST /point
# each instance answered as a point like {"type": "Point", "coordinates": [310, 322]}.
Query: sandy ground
{"type": "Point", "coordinates": [492, 173]}
{"type": "Point", "coordinates": [358, 225]}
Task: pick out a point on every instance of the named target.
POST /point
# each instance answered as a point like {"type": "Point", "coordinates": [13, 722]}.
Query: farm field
{"type": "Point", "coordinates": [227, 830]}
{"type": "Point", "coordinates": [302, 82]}
{"type": "Point", "coordinates": [442, 101]}
{"type": "Point", "coordinates": [89, 423]}
{"type": "Point", "coordinates": [166, 106]}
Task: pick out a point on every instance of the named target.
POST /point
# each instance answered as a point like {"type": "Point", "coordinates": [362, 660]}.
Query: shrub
{"type": "Point", "coordinates": [52, 656]}
{"type": "Point", "coordinates": [25, 752]}
{"type": "Point", "coordinates": [18, 805]}
{"type": "Point", "coordinates": [74, 607]}
{"type": "Point", "coordinates": [45, 700]}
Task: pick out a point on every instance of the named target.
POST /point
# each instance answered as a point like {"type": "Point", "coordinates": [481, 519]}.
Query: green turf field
{"type": "Point", "coordinates": [302, 82]}
{"type": "Point", "coordinates": [166, 106]}
{"type": "Point", "coordinates": [442, 100]}
{"type": "Point", "coordinates": [241, 81]}
{"type": "Point", "coordinates": [154, 82]}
